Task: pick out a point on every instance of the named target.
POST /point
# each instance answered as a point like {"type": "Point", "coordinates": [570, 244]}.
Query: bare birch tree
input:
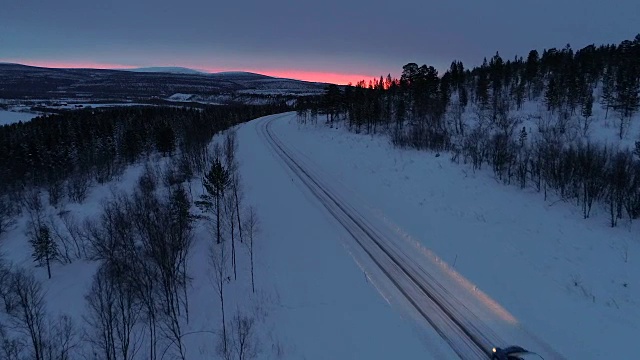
{"type": "Point", "coordinates": [252, 227]}
{"type": "Point", "coordinates": [26, 308]}
{"type": "Point", "coordinates": [219, 259]}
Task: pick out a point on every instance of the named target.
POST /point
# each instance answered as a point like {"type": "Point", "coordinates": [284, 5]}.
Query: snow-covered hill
{"type": "Point", "coordinates": [23, 83]}
{"type": "Point", "coordinates": [168, 69]}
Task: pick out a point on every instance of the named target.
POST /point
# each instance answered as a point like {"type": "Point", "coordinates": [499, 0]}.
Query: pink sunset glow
{"type": "Point", "coordinates": [319, 76]}
{"type": "Point", "coordinates": [315, 76]}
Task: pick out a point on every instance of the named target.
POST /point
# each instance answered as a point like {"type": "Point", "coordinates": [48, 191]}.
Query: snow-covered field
{"type": "Point", "coordinates": [10, 117]}
{"type": "Point", "coordinates": [568, 281]}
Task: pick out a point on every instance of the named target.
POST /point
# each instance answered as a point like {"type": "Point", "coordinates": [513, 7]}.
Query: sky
{"type": "Point", "coordinates": [334, 41]}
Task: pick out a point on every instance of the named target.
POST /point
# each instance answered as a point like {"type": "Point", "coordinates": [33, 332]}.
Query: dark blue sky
{"type": "Point", "coordinates": [357, 37]}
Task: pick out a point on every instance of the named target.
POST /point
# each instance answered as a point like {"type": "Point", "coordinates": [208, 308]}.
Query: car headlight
{"type": "Point", "coordinates": [494, 349]}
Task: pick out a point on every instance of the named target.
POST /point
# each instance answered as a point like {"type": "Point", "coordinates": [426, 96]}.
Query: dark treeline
{"type": "Point", "coordinates": [473, 114]}
{"type": "Point", "coordinates": [66, 153]}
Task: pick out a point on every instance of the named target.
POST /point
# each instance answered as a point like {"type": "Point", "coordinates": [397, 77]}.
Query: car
{"type": "Point", "coordinates": [513, 353]}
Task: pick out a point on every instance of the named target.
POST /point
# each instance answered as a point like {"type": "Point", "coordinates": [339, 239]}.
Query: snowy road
{"type": "Point", "coordinates": [464, 317]}
{"type": "Point", "coordinates": [466, 340]}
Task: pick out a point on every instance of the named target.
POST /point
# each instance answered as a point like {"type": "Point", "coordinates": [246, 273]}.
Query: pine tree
{"type": "Point", "coordinates": [552, 95]}
{"type": "Point", "coordinates": [607, 90]}
{"type": "Point", "coordinates": [587, 109]}
{"type": "Point", "coordinates": [182, 239]}
{"type": "Point", "coordinates": [519, 91]}
{"type": "Point", "coordinates": [496, 78]}
{"type": "Point", "coordinates": [533, 75]}
{"type": "Point", "coordinates": [482, 89]}
{"type": "Point", "coordinates": [215, 183]}
{"type": "Point", "coordinates": [625, 98]}
{"type": "Point", "coordinates": [532, 68]}
{"type": "Point", "coordinates": [332, 102]}
{"type": "Point", "coordinates": [523, 136]}
{"type": "Point", "coordinates": [165, 140]}
{"type": "Point", "coordinates": [45, 249]}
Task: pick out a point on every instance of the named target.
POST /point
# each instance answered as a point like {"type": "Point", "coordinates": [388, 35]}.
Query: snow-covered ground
{"type": "Point", "coordinates": [312, 299]}
{"type": "Point", "coordinates": [567, 281]}
{"type": "Point", "coordinates": [602, 127]}
{"type": "Point", "coordinates": [180, 97]}
{"type": "Point", "coordinates": [10, 117]}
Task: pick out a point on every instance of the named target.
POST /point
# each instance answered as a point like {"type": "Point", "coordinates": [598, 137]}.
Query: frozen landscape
{"type": "Point", "coordinates": [533, 258]}
{"type": "Point", "coordinates": [10, 117]}
{"type": "Point", "coordinates": [248, 180]}
{"type": "Point", "coordinates": [516, 269]}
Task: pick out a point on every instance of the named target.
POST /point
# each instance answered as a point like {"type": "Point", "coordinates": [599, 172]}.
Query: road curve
{"type": "Point", "coordinates": [466, 335]}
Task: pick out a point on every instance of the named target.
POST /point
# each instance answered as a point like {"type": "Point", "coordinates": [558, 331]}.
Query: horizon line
{"type": "Point", "coordinates": [328, 77]}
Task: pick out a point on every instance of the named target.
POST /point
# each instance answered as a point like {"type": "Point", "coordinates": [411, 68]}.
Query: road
{"type": "Point", "coordinates": [461, 324]}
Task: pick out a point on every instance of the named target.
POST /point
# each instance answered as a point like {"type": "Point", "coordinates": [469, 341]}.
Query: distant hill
{"type": "Point", "coordinates": [241, 74]}
{"type": "Point", "coordinates": [29, 82]}
{"type": "Point", "coordinates": [168, 69]}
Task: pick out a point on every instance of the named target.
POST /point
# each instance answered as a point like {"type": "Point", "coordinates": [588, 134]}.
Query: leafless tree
{"type": "Point", "coordinates": [113, 316]}
{"type": "Point", "coordinates": [62, 339]}
{"type": "Point", "coordinates": [457, 114]}
{"type": "Point", "coordinates": [164, 229]}
{"type": "Point", "coordinates": [231, 150]}
{"type": "Point", "coordinates": [7, 215]}
{"type": "Point", "coordinates": [145, 239]}
{"type": "Point", "coordinates": [78, 187]}
{"type": "Point", "coordinates": [75, 233]}
{"type": "Point", "coordinates": [230, 222]}
{"type": "Point", "coordinates": [55, 188]}
{"type": "Point", "coordinates": [503, 120]}
{"type": "Point", "coordinates": [219, 260]}
{"type": "Point", "coordinates": [26, 308]}
{"type": "Point", "coordinates": [224, 350]}
{"type": "Point", "coordinates": [11, 347]}
{"type": "Point", "coordinates": [234, 195]}
{"type": "Point", "coordinates": [176, 172]}
{"type": "Point", "coordinates": [145, 214]}
{"type": "Point", "coordinates": [115, 240]}
{"type": "Point", "coordinates": [146, 288]}
{"type": "Point", "coordinates": [252, 227]}
{"type": "Point", "coordinates": [181, 238]}
{"type": "Point", "coordinates": [244, 339]}
{"type": "Point", "coordinates": [32, 202]}
{"type": "Point", "coordinates": [101, 318]}
{"type": "Point", "coordinates": [241, 342]}
{"type": "Point", "coordinates": [6, 283]}
{"type": "Point", "coordinates": [61, 238]}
